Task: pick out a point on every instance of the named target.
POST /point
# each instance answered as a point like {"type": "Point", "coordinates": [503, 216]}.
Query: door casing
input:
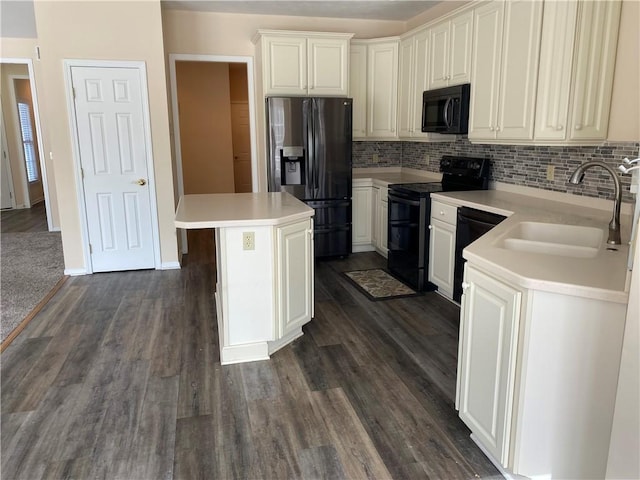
{"type": "Point", "coordinates": [73, 125]}
{"type": "Point", "coordinates": [176, 57]}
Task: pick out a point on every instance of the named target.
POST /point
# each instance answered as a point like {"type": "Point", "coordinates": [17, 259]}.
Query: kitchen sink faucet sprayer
{"type": "Point", "coordinates": [614, 224]}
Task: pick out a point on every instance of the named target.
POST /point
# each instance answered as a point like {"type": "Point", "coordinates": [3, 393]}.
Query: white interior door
{"type": "Point", "coordinates": [6, 182]}
{"type": "Point", "coordinates": [112, 134]}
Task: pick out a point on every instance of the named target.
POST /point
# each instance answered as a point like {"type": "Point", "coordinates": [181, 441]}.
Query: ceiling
{"type": "Point", "coordinates": [399, 10]}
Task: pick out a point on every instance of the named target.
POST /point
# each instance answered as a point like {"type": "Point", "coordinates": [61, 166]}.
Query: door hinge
{"type": "Point", "coordinates": [10, 195]}
{"type": "Point", "coordinates": [90, 248]}
{"type": "Point", "coordinates": [82, 172]}
{"type": "Point", "coordinates": [73, 92]}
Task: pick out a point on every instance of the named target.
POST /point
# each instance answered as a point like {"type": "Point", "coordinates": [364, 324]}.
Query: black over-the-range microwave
{"type": "Point", "coordinates": [446, 110]}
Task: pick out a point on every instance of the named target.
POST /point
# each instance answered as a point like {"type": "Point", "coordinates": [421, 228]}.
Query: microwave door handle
{"type": "Point", "coordinates": [446, 112]}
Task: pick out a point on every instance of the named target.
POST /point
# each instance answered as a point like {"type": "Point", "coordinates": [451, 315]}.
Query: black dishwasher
{"type": "Point", "coordinates": [472, 224]}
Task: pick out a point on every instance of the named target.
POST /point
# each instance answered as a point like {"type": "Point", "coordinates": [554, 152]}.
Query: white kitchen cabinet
{"type": "Point", "coordinates": [294, 271]}
{"type": "Point", "coordinates": [304, 63]}
{"type": "Point", "coordinates": [377, 79]}
{"type": "Point", "coordinates": [450, 51]}
{"type": "Point", "coordinates": [538, 370]}
{"type": "Point", "coordinates": [381, 206]}
{"type": "Point", "coordinates": [382, 88]}
{"type": "Point", "coordinates": [506, 39]}
{"type": "Point", "coordinates": [442, 246]}
{"type": "Point", "coordinates": [412, 81]}
{"type": "Point", "coordinates": [575, 79]}
{"type": "Point", "coordinates": [487, 348]}
{"type": "Point", "coordinates": [362, 218]}
{"type": "Point", "coordinates": [358, 88]}
{"type": "Point", "coordinates": [375, 216]}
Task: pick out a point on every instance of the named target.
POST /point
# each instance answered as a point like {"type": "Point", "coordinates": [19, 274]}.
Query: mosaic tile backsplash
{"type": "Point", "coordinates": [516, 164]}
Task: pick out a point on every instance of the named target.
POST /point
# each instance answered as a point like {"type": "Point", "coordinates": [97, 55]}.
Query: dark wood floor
{"type": "Point", "coordinates": [32, 219]}
{"type": "Point", "coordinates": [119, 377]}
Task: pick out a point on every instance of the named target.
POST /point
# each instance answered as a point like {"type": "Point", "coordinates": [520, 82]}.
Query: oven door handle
{"type": "Point", "coordinates": [394, 197]}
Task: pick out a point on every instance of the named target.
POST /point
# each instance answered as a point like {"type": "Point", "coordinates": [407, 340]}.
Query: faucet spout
{"type": "Point", "coordinates": [614, 224]}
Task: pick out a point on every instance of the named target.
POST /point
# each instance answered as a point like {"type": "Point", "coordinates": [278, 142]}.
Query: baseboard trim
{"type": "Point", "coordinates": [170, 266]}
{"type": "Point", "coordinates": [362, 248]}
{"type": "Point", "coordinates": [249, 352]}
{"type": "Point", "coordinates": [75, 272]}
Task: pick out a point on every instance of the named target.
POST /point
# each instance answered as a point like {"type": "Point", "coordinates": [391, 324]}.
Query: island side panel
{"type": "Point", "coordinates": [246, 292]}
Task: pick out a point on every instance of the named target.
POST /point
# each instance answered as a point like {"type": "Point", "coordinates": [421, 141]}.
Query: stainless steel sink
{"type": "Point", "coordinates": [554, 239]}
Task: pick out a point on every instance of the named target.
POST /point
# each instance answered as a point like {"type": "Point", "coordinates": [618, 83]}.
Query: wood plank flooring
{"type": "Point", "coordinates": [119, 377]}
{"type": "Point", "coordinates": [32, 219]}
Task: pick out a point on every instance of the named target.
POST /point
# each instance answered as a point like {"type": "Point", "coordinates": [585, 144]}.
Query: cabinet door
{"type": "Point", "coordinates": [382, 89]}
{"type": "Point", "coordinates": [439, 56]}
{"type": "Point", "coordinates": [488, 355]}
{"type": "Point", "coordinates": [375, 216]}
{"type": "Point", "coordinates": [594, 66]}
{"type": "Point", "coordinates": [405, 88]}
{"type": "Point", "coordinates": [554, 74]}
{"type": "Point", "coordinates": [361, 212]}
{"type": "Point", "coordinates": [460, 49]}
{"type": "Point", "coordinates": [383, 222]}
{"type": "Point", "coordinates": [487, 54]}
{"type": "Point", "coordinates": [295, 276]}
{"type": "Point", "coordinates": [358, 88]}
{"type": "Point", "coordinates": [285, 64]}
{"type": "Point", "coordinates": [442, 248]}
{"type": "Point", "coordinates": [327, 66]}
{"type": "Point", "coordinates": [420, 80]}
{"type": "Point", "coordinates": [520, 54]}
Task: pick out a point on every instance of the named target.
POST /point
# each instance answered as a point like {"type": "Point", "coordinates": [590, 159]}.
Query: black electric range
{"type": "Point", "coordinates": [410, 212]}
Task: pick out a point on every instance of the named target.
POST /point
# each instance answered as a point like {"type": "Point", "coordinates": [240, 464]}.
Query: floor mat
{"type": "Point", "coordinates": [379, 285]}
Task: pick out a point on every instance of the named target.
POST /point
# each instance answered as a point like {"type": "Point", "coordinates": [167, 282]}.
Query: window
{"type": "Point", "coordinates": [30, 158]}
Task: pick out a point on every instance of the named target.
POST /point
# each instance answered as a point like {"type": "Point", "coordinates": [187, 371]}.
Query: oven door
{"type": "Point", "coordinates": [408, 238]}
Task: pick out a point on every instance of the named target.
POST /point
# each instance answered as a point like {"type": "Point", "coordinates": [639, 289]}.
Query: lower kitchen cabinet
{"type": "Point", "coordinates": [537, 376]}
{"type": "Point", "coordinates": [361, 218]}
{"type": "Point", "coordinates": [370, 211]}
{"type": "Point", "coordinates": [442, 247]}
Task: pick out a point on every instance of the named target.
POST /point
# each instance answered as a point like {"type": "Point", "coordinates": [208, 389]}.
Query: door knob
{"type": "Point", "coordinates": [141, 181]}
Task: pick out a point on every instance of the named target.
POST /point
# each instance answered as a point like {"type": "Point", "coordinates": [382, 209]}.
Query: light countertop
{"type": "Point", "coordinates": [386, 176]}
{"type": "Point", "coordinates": [603, 277]}
{"type": "Point", "coordinates": [238, 210]}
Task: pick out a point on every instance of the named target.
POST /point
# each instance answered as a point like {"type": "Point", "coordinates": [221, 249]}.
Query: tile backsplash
{"type": "Point", "coordinates": [516, 164]}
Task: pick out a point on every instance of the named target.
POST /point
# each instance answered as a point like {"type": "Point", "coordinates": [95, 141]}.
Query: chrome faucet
{"type": "Point", "coordinates": [614, 224]}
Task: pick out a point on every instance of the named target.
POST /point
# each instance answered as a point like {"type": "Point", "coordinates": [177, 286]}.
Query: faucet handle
{"type": "Point", "coordinates": [626, 161]}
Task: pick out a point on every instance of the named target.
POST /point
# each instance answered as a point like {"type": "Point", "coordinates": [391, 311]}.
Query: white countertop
{"type": "Point", "coordinates": [603, 277]}
{"type": "Point", "coordinates": [238, 210]}
{"type": "Point", "coordinates": [386, 176]}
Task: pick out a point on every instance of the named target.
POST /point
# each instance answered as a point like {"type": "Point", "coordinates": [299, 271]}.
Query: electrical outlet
{"type": "Point", "coordinates": [376, 158]}
{"type": "Point", "coordinates": [248, 241]}
{"type": "Point", "coordinates": [551, 173]}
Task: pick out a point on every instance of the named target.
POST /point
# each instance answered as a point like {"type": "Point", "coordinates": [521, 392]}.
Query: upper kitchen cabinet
{"type": "Point", "coordinates": [412, 81]}
{"type": "Point", "coordinates": [575, 80]}
{"type": "Point", "coordinates": [374, 87]}
{"type": "Point", "coordinates": [450, 51]}
{"type": "Point", "coordinates": [358, 88]}
{"type": "Point", "coordinates": [304, 63]}
{"type": "Point", "coordinates": [506, 39]}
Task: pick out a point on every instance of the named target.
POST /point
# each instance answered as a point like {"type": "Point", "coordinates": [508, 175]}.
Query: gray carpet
{"type": "Point", "coordinates": [32, 263]}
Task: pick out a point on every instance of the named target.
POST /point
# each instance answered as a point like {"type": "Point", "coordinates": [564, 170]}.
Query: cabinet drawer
{"type": "Point", "coordinates": [444, 212]}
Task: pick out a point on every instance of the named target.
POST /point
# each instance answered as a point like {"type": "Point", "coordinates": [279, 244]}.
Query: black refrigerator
{"type": "Point", "coordinates": [309, 148]}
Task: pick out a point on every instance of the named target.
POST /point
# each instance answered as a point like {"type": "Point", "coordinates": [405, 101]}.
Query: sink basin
{"type": "Point", "coordinates": [554, 239]}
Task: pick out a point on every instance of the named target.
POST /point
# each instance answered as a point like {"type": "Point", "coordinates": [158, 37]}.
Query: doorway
{"type": "Point", "coordinates": [213, 125]}
{"type": "Point", "coordinates": [24, 174]}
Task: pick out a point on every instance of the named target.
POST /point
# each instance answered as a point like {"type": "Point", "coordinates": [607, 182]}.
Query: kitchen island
{"type": "Point", "coordinates": [264, 274]}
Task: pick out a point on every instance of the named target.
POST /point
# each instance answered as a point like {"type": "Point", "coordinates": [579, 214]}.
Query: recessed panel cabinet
{"type": "Point", "coordinates": [450, 51]}
{"type": "Point", "coordinates": [538, 370]}
{"type": "Point", "coordinates": [575, 80]}
{"type": "Point", "coordinates": [358, 88]}
{"type": "Point", "coordinates": [304, 63]}
{"type": "Point", "coordinates": [506, 39]}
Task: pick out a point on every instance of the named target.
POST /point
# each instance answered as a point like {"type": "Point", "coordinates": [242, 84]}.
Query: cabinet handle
{"type": "Point", "coordinates": [441, 212]}
{"type": "Point", "coordinates": [491, 129]}
{"type": "Point", "coordinates": [578, 127]}
{"type": "Point", "coordinates": [559, 127]}
{"type": "Point", "coordinates": [311, 87]}
{"type": "Point", "coordinates": [465, 285]}
{"type": "Point", "coordinates": [430, 227]}
{"type": "Point", "coordinates": [497, 128]}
